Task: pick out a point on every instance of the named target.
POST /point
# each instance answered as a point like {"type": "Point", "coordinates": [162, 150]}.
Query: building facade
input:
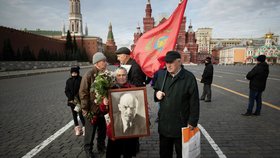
{"type": "Point", "coordinates": [248, 52]}
{"type": "Point", "coordinates": [203, 39]}
{"type": "Point", "coordinates": [232, 55]}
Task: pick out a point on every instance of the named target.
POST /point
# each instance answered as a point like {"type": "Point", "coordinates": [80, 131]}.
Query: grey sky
{"type": "Point", "coordinates": [236, 18]}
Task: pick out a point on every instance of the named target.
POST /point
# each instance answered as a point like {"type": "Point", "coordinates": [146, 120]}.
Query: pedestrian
{"type": "Point", "coordinates": [176, 90]}
{"type": "Point", "coordinates": [125, 146]}
{"type": "Point", "coordinates": [257, 76]}
{"type": "Point", "coordinates": [207, 78]}
{"type": "Point", "coordinates": [135, 75]}
{"type": "Point", "coordinates": [72, 93]}
{"type": "Point", "coordinates": [90, 108]}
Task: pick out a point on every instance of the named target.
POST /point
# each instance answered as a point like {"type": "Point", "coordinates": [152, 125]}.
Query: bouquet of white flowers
{"type": "Point", "coordinates": [102, 83]}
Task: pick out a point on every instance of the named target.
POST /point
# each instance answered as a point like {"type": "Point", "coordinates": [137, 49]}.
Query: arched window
{"type": "Point", "coordinates": [77, 29]}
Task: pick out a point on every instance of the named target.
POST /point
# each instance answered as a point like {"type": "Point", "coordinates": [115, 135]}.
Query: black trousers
{"type": "Point", "coordinates": [117, 148]}
{"type": "Point", "coordinates": [206, 94]}
{"type": "Point", "coordinates": [90, 130]}
{"type": "Point", "coordinates": [75, 116]}
{"type": "Point", "coordinates": [166, 145]}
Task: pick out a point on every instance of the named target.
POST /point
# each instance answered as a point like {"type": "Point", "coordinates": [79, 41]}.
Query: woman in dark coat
{"type": "Point", "coordinates": [126, 146]}
{"type": "Point", "coordinates": [72, 93]}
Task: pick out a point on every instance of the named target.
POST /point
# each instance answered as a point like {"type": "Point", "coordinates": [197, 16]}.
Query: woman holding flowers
{"type": "Point", "coordinates": [126, 146]}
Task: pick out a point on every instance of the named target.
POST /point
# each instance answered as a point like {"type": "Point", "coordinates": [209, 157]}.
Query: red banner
{"type": "Point", "coordinates": [158, 41]}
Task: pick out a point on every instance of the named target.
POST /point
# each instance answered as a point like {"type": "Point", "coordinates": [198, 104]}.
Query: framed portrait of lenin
{"type": "Point", "coordinates": [128, 110]}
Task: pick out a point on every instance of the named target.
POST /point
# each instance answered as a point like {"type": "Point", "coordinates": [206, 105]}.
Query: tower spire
{"type": "Point", "coordinates": [110, 44]}
{"type": "Point", "coordinates": [148, 20]}
{"type": "Point", "coordinates": [75, 18]}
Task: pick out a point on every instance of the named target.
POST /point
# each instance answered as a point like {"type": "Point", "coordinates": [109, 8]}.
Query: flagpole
{"type": "Point", "coordinates": [163, 83]}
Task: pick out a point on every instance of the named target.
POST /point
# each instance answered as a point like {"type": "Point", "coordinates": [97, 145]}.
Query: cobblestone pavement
{"type": "Point", "coordinates": [33, 108]}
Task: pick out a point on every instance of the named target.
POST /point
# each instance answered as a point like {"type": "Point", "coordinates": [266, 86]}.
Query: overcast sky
{"type": "Point", "coordinates": [228, 18]}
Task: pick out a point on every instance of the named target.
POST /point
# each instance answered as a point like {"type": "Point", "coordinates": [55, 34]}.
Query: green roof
{"type": "Point", "coordinates": [45, 32]}
{"type": "Point", "coordinates": [110, 33]}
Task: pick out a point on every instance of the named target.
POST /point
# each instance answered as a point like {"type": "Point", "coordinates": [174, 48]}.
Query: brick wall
{"type": "Point", "coordinates": [20, 39]}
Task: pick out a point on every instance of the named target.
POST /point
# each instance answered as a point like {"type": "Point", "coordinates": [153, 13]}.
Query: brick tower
{"type": "Point", "coordinates": [148, 20]}
{"type": "Point", "coordinates": [191, 44]}
{"type": "Point", "coordinates": [110, 44]}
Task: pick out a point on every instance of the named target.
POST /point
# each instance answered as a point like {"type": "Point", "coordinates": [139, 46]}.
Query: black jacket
{"type": "Point", "coordinates": [258, 76]}
{"type": "Point", "coordinates": [180, 106]}
{"type": "Point", "coordinates": [72, 87]}
{"type": "Point", "coordinates": [135, 75]}
{"type": "Point", "coordinates": [207, 76]}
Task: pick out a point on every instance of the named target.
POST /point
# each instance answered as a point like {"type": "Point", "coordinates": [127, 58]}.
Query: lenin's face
{"type": "Point", "coordinates": [127, 107]}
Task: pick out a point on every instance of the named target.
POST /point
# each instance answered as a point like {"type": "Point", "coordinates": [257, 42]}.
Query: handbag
{"type": "Point", "coordinates": [190, 142]}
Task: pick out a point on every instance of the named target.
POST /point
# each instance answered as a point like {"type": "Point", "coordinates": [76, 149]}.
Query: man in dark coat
{"type": "Point", "coordinates": [207, 78]}
{"type": "Point", "coordinates": [89, 107]}
{"type": "Point", "coordinates": [135, 75]}
{"type": "Point", "coordinates": [257, 76]}
{"type": "Point", "coordinates": [176, 90]}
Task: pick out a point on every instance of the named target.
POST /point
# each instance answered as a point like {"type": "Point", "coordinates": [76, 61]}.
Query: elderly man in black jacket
{"type": "Point", "coordinates": [176, 90]}
{"type": "Point", "coordinates": [207, 78]}
{"type": "Point", "coordinates": [135, 75]}
{"type": "Point", "coordinates": [257, 76]}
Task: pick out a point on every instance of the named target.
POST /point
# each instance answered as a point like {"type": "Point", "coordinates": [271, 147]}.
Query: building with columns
{"type": "Point", "coordinates": [203, 37]}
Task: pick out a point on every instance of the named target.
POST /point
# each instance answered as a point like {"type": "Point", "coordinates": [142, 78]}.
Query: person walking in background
{"type": "Point", "coordinates": [72, 93]}
{"type": "Point", "coordinates": [257, 76]}
{"type": "Point", "coordinates": [89, 107]}
{"type": "Point", "coordinates": [176, 90]}
{"type": "Point", "coordinates": [207, 78]}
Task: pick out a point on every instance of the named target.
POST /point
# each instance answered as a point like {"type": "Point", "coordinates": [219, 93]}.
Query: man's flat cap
{"type": "Point", "coordinates": [171, 56]}
{"type": "Point", "coordinates": [123, 50]}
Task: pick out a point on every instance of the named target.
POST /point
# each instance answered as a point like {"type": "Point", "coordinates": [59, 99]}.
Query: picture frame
{"type": "Point", "coordinates": [128, 110]}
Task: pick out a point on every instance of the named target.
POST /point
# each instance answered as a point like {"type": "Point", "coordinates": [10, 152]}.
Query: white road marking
{"type": "Point", "coordinates": [242, 81]}
{"type": "Point", "coordinates": [42, 145]}
{"type": "Point", "coordinates": [276, 79]}
{"type": "Point", "coordinates": [212, 142]}
{"type": "Point", "coordinates": [218, 76]}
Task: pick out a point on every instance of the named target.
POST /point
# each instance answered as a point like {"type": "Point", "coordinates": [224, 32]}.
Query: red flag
{"type": "Point", "coordinates": [158, 41]}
